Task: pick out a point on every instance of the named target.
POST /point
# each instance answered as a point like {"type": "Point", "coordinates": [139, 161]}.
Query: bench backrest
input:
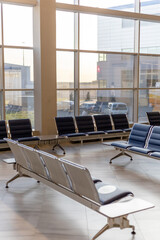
{"type": "Point", "coordinates": [56, 169]}
{"type": "Point", "coordinates": [20, 128]}
{"type": "Point", "coordinates": [82, 183]}
{"type": "Point", "coordinates": [85, 123]}
{"type": "Point", "coordinates": [65, 125]}
{"type": "Point", "coordinates": [139, 134]}
{"type": "Point", "coordinates": [154, 140]}
{"type": "Point", "coordinates": [36, 163]}
{"type": "Point", "coordinates": [153, 118]}
{"type": "Point", "coordinates": [120, 121]}
{"type": "Point", "coordinates": [3, 129]}
{"type": "Point", "coordinates": [103, 122]}
{"type": "Point", "coordinates": [18, 154]}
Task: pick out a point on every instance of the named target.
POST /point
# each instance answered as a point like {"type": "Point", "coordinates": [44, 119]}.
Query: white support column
{"type": "Point", "coordinates": [45, 66]}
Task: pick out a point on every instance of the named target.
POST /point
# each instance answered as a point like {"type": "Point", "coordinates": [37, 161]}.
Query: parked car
{"type": "Point", "coordinates": [65, 105]}
{"type": "Point", "coordinates": [117, 108]}
{"type": "Point", "coordinates": [86, 107]}
{"type": "Point", "coordinates": [100, 107]}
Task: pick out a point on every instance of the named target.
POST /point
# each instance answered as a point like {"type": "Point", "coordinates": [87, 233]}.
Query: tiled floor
{"type": "Point", "coordinates": [32, 211]}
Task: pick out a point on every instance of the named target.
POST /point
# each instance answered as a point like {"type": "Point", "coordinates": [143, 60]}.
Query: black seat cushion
{"type": "Point", "coordinates": [103, 122]}
{"type": "Point", "coordinates": [153, 118]}
{"type": "Point", "coordinates": [85, 124]}
{"type": "Point", "coordinates": [96, 180]}
{"type": "Point", "coordinates": [74, 135]}
{"type": "Point", "coordinates": [20, 128]}
{"type": "Point", "coordinates": [127, 129]}
{"type": "Point", "coordinates": [65, 125]}
{"type": "Point", "coordinates": [2, 141]}
{"type": "Point", "coordinates": [28, 139]}
{"type": "Point", "coordinates": [108, 194]}
{"type": "Point", "coordinates": [120, 121]}
{"type": "Point", "coordinates": [95, 133]}
{"type": "Point", "coordinates": [114, 131]}
{"type": "Point", "coordinates": [3, 130]}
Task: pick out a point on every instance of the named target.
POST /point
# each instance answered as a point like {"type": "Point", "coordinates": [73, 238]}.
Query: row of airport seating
{"type": "Point", "coordinates": [153, 118]}
{"type": "Point", "coordinates": [96, 125]}
{"type": "Point", "coordinates": [18, 129]}
{"type": "Point", "coordinates": [75, 181]}
{"type": "Point", "coordinates": [143, 140]}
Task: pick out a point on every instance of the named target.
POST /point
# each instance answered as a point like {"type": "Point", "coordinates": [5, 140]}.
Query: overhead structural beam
{"type": "Point", "coordinates": [21, 2]}
{"type": "Point", "coordinates": [107, 12]}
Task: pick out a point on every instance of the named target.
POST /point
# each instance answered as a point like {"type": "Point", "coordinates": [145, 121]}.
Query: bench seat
{"type": "Point", "coordinates": [155, 154]}
{"type": "Point", "coordinates": [75, 181]}
{"type": "Point", "coordinates": [121, 145]}
{"type": "Point", "coordinates": [71, 135]}
{"type": "Point", "coordinates": [108, 193]}
{"type": "Point", "coordinates": [27, 139]}
{"type": "Point", "coordinates": [136, 142]}
{"type": "Point", "coordinates": [140, 150]}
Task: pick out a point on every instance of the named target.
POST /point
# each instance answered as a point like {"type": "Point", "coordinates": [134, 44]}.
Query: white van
{"type": "Point", "coordinates": [117, 108]}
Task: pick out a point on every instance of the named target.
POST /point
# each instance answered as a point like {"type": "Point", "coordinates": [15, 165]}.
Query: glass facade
{"type": "Point", "coordinates": [16, 62]}
{"type": "Point", "coordinates": [65, 103]}
{"type": "Point", "coordinates": [112, 65]}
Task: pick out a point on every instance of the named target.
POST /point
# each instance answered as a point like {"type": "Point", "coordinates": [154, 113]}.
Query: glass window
{"type": "Point", "coordinates": [65, 69]}
{"type": "Point", "coordinates": [65, 103]}
{"type": "Point", "coordinates": [0, 26]}
{"type": "Point", "coordinates": [19, 104]}
{"type": "Point", "coordinates": [1, 105]}
{"type": "Point", "coordinates": [150, 7]}
{"type": "Point", "coordinates": [127, 5]}
{"type": "Point", "coordinates": [111, 71]}
{"type": "Point", "coordinates": [106, 102]}
{"type": "Point", "coordinates": [66, 1]}
{"type": "Point", "coordinates": [149, 72]}
{"type": "Point", "coordinates": [149, 37]}
{"type": "Point", "coordinates": [105, 34]}
{"type": "Point", "coordinates": [65, 30]}
{"type": "Point", "coordinates": [1, 72]}
{"type": "Point", "coordinates": [18, 68]}
{"type": "Point", "coordinates": [149, 100]}
{"type": "Point", "coordinates": [18, 25]}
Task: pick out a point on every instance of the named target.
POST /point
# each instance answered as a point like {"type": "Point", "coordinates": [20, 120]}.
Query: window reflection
{"type": "Point", "coordinates": [106, 102]}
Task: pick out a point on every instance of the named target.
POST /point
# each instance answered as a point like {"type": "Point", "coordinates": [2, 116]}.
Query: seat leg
{"type": "Point", "coordinates": [12, 179]}
{"type": "Point", "coordinates": [15, 177]}
{"type": "Point", "coordinates": [36, 147]}
{"type": "Point", "coordinates": [106, 227]}
{"type": "Point", "coordinates": [126, 154]}
{"type": "Point", "coordinates": [119, 222]}
{"type": "Point", "coordinates": [120, 154]}
{"type": "Point", "coordinates": [58, 145]}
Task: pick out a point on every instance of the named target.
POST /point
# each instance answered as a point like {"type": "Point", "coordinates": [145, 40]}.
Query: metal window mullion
{"type": "Point", "coordinates": [107, 12]}
{"type": "Point", "coordinates": [18, 47]}
{"type": "Point", "coordinates": [19, 89]}
{"type": "Point", "coordinates": [95, 51]}
{"type": "Point", "coordinates": [138, 62]}
{"type": "Point", "coordinates": [3, 71]}
{"type": "Point", "coordinates": [76, 61]}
